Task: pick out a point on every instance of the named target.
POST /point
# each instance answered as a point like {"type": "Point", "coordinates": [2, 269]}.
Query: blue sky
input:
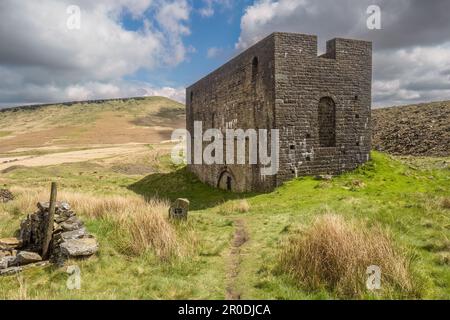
{"type": "Point", "coordinates": [127, 48]}
{"type": "Point", "coordinates": [220, 31]}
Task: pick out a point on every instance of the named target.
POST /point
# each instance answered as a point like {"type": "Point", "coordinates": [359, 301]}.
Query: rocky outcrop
{"type": "Point", "coordinates": [419, 130]}
{"type": "Point", "coordinates": [70, 239]}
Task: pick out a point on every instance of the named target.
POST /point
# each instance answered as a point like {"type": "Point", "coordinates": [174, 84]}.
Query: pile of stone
{"type": "Point", "coordinates": [419, 130]}
{"type": "Point", "coordinates": [6, 196]}
{"type": "Point", "coordinates": [69, 239]}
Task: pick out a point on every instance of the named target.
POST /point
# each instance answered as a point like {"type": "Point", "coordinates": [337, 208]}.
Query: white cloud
{"type": "Point", "coordinates": [177, 94]}
{"type": "Point", "coordinates": [411, 75]}
{"type": "Point", "coordinates": [44, 61]}
{"type": "Point", "coordinates": [89, 91]}
{"type": "Point", "coordinates": [206, 12]}
{"type": "Point", "coordinates": [213, 52]}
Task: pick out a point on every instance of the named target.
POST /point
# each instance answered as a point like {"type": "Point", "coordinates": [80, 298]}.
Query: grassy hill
{"type": "Point", "coordinates": [114, 131]}
{"type": "Point", "coordinates": [308, 239]}
{"type": "Point", "coordinates": [146, 120]}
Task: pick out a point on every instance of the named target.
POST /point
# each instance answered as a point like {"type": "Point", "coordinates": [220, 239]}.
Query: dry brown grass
{"type": "Point", "coordinates": [335, 254]}
{"type": "Point", "coordinates": [431, 204]}
{"type": "Point", "coordinates": [103, 123]}
{"type": "Point", "coordinates": [140, 225]}
{"type": "Point", "coordinates": [233, 206]}
{"type": "Point", "coordinates": [146, 227]}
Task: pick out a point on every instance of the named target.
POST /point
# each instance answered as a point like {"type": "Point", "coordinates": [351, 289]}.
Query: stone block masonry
{"type": "Point", "coordinates": [320, 105]}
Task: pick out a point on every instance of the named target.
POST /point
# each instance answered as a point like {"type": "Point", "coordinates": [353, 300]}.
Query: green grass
{"type": "Point", "coordinates": [403, 197]}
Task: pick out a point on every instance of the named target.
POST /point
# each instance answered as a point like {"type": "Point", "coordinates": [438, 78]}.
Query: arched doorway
{"type": "Point", "coordinates": [327, 122]}
{"type": "Point", "coordinates": [226, 181]}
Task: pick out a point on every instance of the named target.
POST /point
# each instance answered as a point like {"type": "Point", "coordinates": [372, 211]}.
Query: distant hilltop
{"type": "Point", "coordinates": [70, 103]}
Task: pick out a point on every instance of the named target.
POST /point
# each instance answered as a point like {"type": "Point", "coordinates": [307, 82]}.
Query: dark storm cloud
{"type": "Point", "coordinates": [41, 61]}
{"type": "Point", "coordinates": [411, 51]}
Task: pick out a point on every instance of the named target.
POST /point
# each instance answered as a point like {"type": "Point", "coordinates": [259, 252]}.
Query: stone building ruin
{"type": "Point", "coordinates": [320, 104]}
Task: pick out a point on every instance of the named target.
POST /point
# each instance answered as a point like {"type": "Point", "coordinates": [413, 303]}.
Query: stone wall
{"type": "Point", "coordinates": [240, 94]}
{"type": "Point", "coordinates": [343, 76]}
{"type": "Point", "coordinates": [280, 83]}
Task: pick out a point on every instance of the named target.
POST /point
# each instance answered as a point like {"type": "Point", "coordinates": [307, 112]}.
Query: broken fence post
{"type": "Point", "coordinates": [49, 221]}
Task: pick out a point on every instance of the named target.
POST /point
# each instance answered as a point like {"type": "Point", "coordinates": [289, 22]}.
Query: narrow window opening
{"type": "Point", "coordinates": [327, 122]}
{"type": "Point", "coordinates": [254, 68]}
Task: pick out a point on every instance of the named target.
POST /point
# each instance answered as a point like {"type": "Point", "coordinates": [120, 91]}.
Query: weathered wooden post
{"type": "Point", "coordinates": [50, 219]}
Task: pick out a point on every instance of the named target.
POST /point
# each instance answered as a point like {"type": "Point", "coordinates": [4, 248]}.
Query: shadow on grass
{"type": "Point", "coordinates": [183, 184]}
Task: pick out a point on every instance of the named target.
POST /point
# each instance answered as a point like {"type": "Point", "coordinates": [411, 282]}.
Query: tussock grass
{"type": "Point", "coordinates": [233, 206]}
{"type": "Point", "coordinates": [139, 225]}
{"type": "Point", "coordinates": [445, 203]}
{"type": "Point", "coordinates": [334, 254]}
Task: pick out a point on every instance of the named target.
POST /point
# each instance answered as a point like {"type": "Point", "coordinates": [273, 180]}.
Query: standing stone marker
{"type": "Point", "coordinates": [179, 209]}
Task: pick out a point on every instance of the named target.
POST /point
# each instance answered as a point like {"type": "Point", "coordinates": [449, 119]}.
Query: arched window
{"type": "Point", "coordinates": [254, 68]}
{"type": "Point", "coordinates": [327, 122]}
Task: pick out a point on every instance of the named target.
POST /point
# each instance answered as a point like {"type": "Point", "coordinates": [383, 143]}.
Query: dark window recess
{"type": "Point", "coordinates": [308, 158]}
{"type": "Point", "coordinates": [308, 135]}
{"type": "Point", "coordinates": [192, 96]}
{"type": "Point", "coordinates": [229, 183]}
{"type": "Point", "coordinates": [254, 68]}
{"type": "Point", "coordinates": [292, 147]}
{"type": "Point", "coordinates": [356, 97]}
{"type": "Point", "coordinates": [357, 116]}
{"type": "Point", "coordinates": [327, 122]}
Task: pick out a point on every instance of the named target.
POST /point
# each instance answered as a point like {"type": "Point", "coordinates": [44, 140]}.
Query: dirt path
{"type": "Point", "coordinates": [240, 237]}
{"type": "Point", "coordinates": [68, 157]}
